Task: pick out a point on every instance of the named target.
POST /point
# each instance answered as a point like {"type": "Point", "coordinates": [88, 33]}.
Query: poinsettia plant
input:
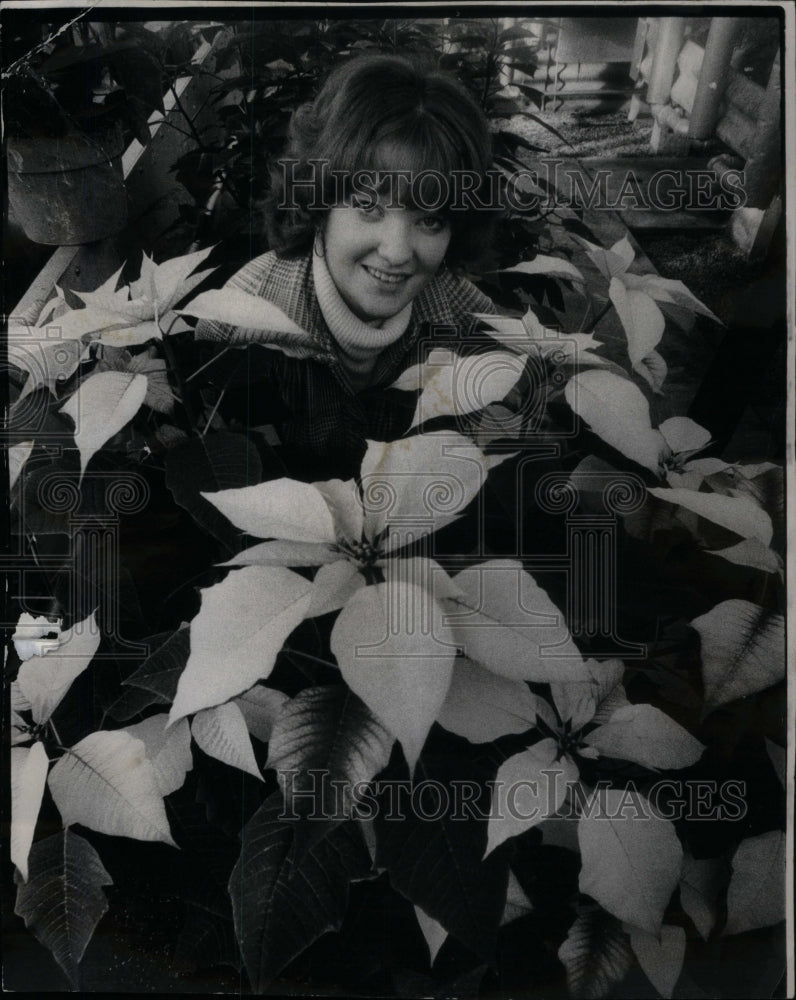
{"type": "Point", "coordinates": [360, 705]}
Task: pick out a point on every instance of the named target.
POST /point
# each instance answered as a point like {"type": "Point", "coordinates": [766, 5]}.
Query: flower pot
{"type": "Point", "coordinates": [67, 190]}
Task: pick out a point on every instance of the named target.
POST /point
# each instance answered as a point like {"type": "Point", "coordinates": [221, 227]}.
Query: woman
{"type": "Point", "coordinates": [380, 198]}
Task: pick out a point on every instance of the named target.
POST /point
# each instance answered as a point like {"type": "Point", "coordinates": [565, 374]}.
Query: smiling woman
{"type": "Point", "coordinates": [367, 235]}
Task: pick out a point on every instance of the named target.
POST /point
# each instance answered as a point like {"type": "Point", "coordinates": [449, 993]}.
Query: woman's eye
{"type": "Point", "coordinates": [433, 223]}
{"type": "Point", "coordinates": [368, 207]}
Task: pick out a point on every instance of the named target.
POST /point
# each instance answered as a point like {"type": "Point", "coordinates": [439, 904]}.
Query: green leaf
{"type": "Point", "coordinates": [779, 758]}
{"type": "Point", "coordinates": [71, 325]}
{"type": "Point", "coordinates": [29, 767]}
{"type": "Point", "coordinates": [159, 396]}
{"type": "Point", "coordinates": [684, 434]}
{"type": "Point", "coordinates": [596, 955]}
{"type": "Point", "coordinates": [222, 733]}
{"type": "Point", "coordinates": [399, 667]}
{"type": "Point", "coordinates": [143, 289]}
{"type": "Point", "coordinates": [482, 706]}
{"type": "Point", "coordinates": [453, 385]}
{"type": "Point", "coordinates": [129, 336]}
{"type": "Point", "coordinates": [102, 405]}
{"type": "Point", "coordinates": [528, 336]}
{"type": "Point", "coordinates": [505, 622]}
{"type": "Point", "coordinates": [241, 626]}
{"type": "Point", "coordinates": [750, 552]}
{"type": "Point", "coordinates": [334, 585]}
{"type": "Point", "coordinates": [433, 851]}
{"type": "Point", "coordinates": [647, 736]}
{"type": "Point", "coordinates": [434, 933]}
{"type": "Point", "coordinates": [661, 959]}
{"type": "Point", "coordinates": [530, 787]}
{"type": "Point", "coordinates": [170, 316]}
{"type": "Point", "coordinates": [168, 750]}
{"type": "Point", "coordinates": [326, 747]}
{"type": "Point", "coordinates": [106, 782]}
{"type": "Point", "coordinates": [33, 636]}
{"type": "Point", "coordinates": [283, 509]}
{"type": "Point", "coordinates": [674, 291]}
{"type": "Point", "coordinates": [45, 680]}
{"type": "Point", "coordinates": [206, 939]}
{"type": "Point", "coordinates": [631, 863]}
{"type": "Point", "coordinates": [738, 514]}
{"type": "Point", "coordinates": [169, 276]}
{"type": "Point", "coordinates": [250, 319]}
{"type": "Point", "coordinates": [261, 706]}
{"type": "Point", "coordinates": [106, 295]}
{"type": "Point", "coordinates": [706, 466]}
{"type": "Point", "coordinates": [578, 702]}
{"type": "Point", "coordinates": [615, 410]}
{"type": "Point", "coordinates": [642, 320]}
{"type": "Point", "coordinates": [18, 726]}
{"type": "Point", "coordinates": [549, 267]}
{"type": "Point", "coordinates": [217, 461]}
{"type": "Point", "coordinates": [756, 896]}
{"type": "Point", "coordinates": [63, 901]}
{"type": "Point", "coordinates": [281, 901]}
{"type": "Point", "coordinates": [417, 485]}
{"type": "Point", "coordinates": [623, 249]}
{"type": "Point", "coordinates": [684, 480]}
{"type": "Point", "coordinates": [609, 263]}
{"type": "Point", "coordinates": [701, 882]}
{"type": "Point", "coordinates": [343, 500]}
{"type": "Point", "coordinates": [517, 902]}
{"type": "Point", "coordinates": [160, 671]}
{"type": "Point", "coordinates": [285, 553]}
{"type": "Point", "coordinates": [653, 369]}
{"type": "Point", "coordinates": [743, 650]}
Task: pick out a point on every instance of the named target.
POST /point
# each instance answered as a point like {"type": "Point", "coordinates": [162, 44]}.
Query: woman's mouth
{"type": "Point", "coordinates": [385, 277]}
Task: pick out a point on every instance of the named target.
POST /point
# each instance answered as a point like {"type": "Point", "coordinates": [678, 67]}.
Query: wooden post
{"type": "Point", "coordinates": [737, 130]}
{"type": "Point", "coordinates": [642, 29]}
{"type": "Point", "coordinates": [763, 167]}
{"type": "Point", "coordinates": [667, 48]}
{"type": "Point", "coordinates": [714, 77]}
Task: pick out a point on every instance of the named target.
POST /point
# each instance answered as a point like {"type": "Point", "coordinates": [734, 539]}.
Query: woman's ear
{"type": "Point", "coordinates": [319, 244]}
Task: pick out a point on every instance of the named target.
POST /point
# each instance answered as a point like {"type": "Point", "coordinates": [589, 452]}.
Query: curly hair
{"type": "Point", "coordinates": [383, 113]}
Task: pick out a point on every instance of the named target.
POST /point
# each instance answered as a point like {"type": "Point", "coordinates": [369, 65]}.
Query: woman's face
{"type": "Point", "coordinates": [380, 255]}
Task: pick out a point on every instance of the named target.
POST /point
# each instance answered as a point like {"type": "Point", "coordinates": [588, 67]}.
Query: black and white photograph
{"type": "Point", "coordinates": [398, 433]}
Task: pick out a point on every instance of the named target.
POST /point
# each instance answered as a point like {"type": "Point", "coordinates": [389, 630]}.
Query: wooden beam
{"type": "Point", "coordinates": [763, 167]}
{"type": "Point", "coordinates": [713, 77]}
{"type": "Point", "coordinates": [668, 42]}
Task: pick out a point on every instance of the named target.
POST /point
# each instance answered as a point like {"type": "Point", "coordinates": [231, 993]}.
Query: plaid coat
{"type": "Point", "coordinates": [309, 399]}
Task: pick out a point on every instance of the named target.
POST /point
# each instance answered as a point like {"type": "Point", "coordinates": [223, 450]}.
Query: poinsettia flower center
{"type": "Point", "coordinates": [363, 552]}
{"type": "Point", "coordinates": [569, 742]}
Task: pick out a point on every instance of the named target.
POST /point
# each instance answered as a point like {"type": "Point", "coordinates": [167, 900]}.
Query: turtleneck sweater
{"type": "Point", "coordinates": [358, 343]}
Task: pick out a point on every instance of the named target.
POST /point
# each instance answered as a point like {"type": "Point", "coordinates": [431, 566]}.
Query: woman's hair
{"type": "Point", "coordinates": [384, 113]}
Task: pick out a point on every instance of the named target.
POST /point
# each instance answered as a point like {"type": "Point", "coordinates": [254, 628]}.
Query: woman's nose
{"type": "Point", "coordinates": [395, 244]}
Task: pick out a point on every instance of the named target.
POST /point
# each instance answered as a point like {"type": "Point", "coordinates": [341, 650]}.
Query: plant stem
{"type": "Point", "coordinates": [184, 113]}
{"type": "Point", "coordinates": [55, 731]}
{"type": "Point", "coordinates": [215, 408]}
{"type": "Point", "coordinates": [208, 363]}
{"type": "Point", "coordinates": [309, 656]}
{"type": "Point", "coordinates": [165, 121]}
{"type": "Point", "coordinates": [190, 413]}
